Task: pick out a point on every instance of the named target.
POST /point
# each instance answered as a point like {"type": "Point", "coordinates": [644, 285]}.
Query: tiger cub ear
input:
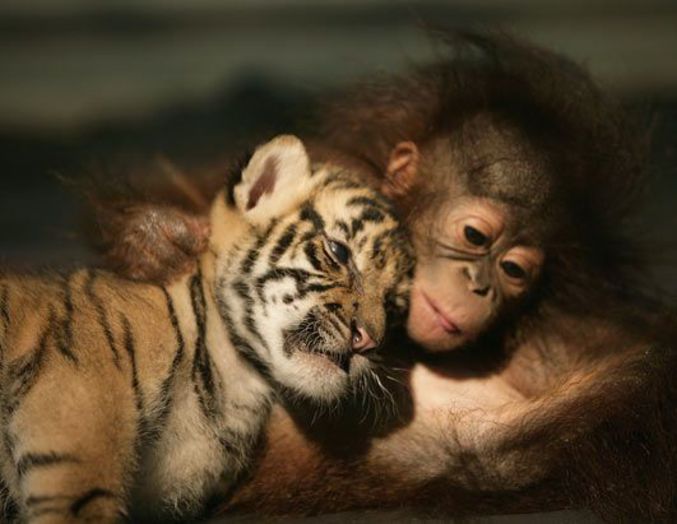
{"type": "Point", "coordinates": [275, 181]}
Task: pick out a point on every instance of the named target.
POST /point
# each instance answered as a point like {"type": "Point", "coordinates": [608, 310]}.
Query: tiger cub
{"type": "Point", "coordinates": [120, 398]}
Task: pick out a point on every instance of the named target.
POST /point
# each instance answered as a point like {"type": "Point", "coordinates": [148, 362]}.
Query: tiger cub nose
{"type": "Point", "coordinates": [361, 340]}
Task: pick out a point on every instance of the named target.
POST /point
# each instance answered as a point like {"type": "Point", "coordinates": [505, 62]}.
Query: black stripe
{"type": "Point", "coordinates": [377, 245]}
{"type": "Point", "coordinates": [316, 288]}
{"type": "Point", "coordinates": [250, 355]}
{"type": "Point", "coordinates": [343, 226]}
{"type": "Point", "coordinates": [283, 244]}
{"type": "Point", "coordinates": [8, 440]}
{"type": "Point", "coordinates": [242, 290]}
{"type": "Point", "coordinates": [203, 378]}
{"type": "Point", "coordinates": [375, 200]}
{"type": "Point", "coordinates": [4, 304]}
{"type": "Point", "coordinates": [26, 369]}
{"type": "Point", "coordinates": [336, 317]}
{"type": "Point", "coordinates": [372, 215]}
{"type": "Point", "coordinates": [356, 225]}
{"type": "Point", "coordinates": [64, 331]}
{"type": "Point", "coordinates": [280, 273]}
{"type": "Point", "coordinates": [336, 324]}
{"type": "Point", "coordinates": [55, 503]}
{"type": "Point", "coordinates": [244, 349]}
{"type": "Point", "coordinates": [333, 307]}
{"type": "Point", "coordinates": [362, 243]}
{"type": "Point", "coordinates": [102, 315]}
{"type": "Point", "coordinates": [309, 214]}
{"type": "Point", "coordinates": [8, 507]}
{"type": "Point", "coordinates": [253, 254]}
{"type": "Point", "coordinates": [300, 277]}
{"type": "Point", "coordinates": [29, 461]}
{"type": "Point", "coordinates": [307, 236]}
{"type": "Point", "coordinates": [130, 347]}
{"type": "Point", "coordinates": [249, 260]}
{"type": "Point", "coordinates": [311, 254]}
{"type": "Point", "coordinates": [89, 497]}
{"type": "Point", "coordinates": [143, 430]}
{"type": "Point", "coordinates": [166, 387]}
{"type": "Point", "coordinates": [363, 201]}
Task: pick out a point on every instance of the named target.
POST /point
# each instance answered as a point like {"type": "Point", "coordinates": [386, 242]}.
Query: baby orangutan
{"type": "Point", "coordinates": [515, 175]}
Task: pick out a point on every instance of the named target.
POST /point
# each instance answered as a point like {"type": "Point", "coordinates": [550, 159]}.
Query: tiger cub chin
{"type": "Point", "coordinates": [120, 398]}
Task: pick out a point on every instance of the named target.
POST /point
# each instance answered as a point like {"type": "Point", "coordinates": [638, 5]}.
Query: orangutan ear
{"type": "Point", "coordinates": [402, 170]}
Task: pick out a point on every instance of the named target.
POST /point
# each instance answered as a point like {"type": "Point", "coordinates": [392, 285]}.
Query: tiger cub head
{"type": "Point", "coordinates": [308, 263]}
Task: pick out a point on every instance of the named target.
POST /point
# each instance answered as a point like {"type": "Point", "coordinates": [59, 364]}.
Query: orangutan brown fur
{"type": "Point", "coordinates": [569, 404]}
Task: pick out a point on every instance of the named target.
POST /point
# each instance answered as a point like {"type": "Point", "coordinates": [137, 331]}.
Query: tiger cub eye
{"type": "Point", "coordinates": [339, 252]}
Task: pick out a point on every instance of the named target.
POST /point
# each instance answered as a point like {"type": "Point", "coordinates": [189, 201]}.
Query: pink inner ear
{"type": "Point", "coordinates": [265, 183]}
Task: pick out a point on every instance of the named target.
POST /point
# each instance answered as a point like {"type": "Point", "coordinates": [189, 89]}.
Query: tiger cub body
{"type": "Point", "coordinates": [122, 398]}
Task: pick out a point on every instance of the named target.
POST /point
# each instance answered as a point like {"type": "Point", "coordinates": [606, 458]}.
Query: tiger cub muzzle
{"type": "Point", "coordinates": [324, 332]}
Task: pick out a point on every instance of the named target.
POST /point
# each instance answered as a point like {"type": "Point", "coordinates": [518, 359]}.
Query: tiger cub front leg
{"type": "Point", "coordinates": [71, 445]}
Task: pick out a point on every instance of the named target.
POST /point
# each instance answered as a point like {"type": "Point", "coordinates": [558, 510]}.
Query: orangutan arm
{"type": "Point", "coordinates": [602, 424]}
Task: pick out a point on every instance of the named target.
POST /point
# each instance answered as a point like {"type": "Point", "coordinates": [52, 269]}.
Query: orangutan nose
{"type": "Point", "coordinates": [361, 339]}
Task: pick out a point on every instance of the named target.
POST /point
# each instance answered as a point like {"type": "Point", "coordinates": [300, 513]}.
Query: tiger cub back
{"type": "Point", "coordinates": [121, 398]}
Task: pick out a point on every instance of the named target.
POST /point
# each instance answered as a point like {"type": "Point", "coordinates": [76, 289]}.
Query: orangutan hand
{"type": "Point", "coordinates": [153, 242]}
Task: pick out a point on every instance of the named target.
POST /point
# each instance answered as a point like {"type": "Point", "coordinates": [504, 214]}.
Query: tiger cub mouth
{"type": "Point", "coordinates": [323, 341]}
{"type": "Point", "coordinates": [338, 360]}
{"type": "Point", "coordinates": [313, 345]}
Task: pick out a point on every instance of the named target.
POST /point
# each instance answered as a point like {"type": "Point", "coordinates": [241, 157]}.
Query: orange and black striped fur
{"type": "Point", "coordinates": [120, 398]}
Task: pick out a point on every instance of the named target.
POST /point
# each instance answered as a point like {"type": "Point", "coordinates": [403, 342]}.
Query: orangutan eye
{"type": "Point", "coordinates": [475, 236]}
{"type": "Point", "coordinates": [338, 251]}
{"type": "Point", "coordinates": [513, 270]}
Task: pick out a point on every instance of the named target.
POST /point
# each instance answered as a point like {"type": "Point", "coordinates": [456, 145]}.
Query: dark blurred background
{"type": "Point", "coordinates": [85, 83]}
